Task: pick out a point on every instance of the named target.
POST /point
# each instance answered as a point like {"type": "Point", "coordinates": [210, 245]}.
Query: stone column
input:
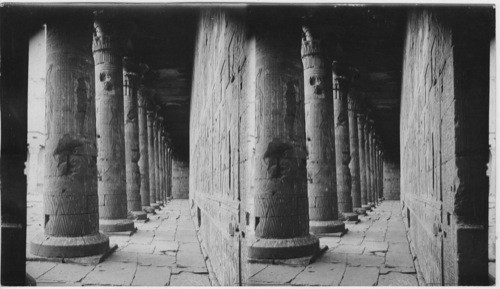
{"type": "Point", "coordinates": [170, 163]}
{"type": "Point", "coordinates": [320, 138]}
{"type": "Point", "coordinates": [159, 171]}
{"type": "Point", "coordinates": [380, 173]}
{"type": "Point", "coordinates": [372, 164]}
{"type": "Point", "coordinates": [169, 169]}
{"type": "Point", "coordinates": [352, 106]}
{"type": "Point", "coordinates": [144, 151]}
{"type": "Point", "coordinates": [111, 186]}
{"type": "Point", "coordinates": [368, 165]}
{"type": "Point", "coordinates": [131, 124]}
{"type": "Point", "coordinates": [362, 161]}
{"type": "Point", "coordinates": [163, 159]}
{"type": "Point", "coordinates": [71, 227]}
{"type": "Point", "coordinates": [280, 199]}
{"type": "Point", "coordinates": [151, 157]}
{"type": "Point", "coordinates": [340, 79]}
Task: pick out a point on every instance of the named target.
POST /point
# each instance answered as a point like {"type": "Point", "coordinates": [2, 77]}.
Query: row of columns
{"type": "Point", "coordinates": [108, 157]}
{"type": "Point", "coordinates": [343, 160]}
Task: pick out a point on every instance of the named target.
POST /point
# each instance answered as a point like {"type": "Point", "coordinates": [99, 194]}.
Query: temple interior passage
{"type": "Point", "coordinates": [206, 145]}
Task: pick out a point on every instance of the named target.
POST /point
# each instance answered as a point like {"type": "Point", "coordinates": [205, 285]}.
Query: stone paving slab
{"type": "Point", "coordinates": [150, 257]}
{"type": "Point", "coordinates": [189, 279]}
{"type": "Point", "coordinates": [373, 252]}
{"type": "Point", "coordinates": [360, 276]}
{"type": "Point", "coordinates": [151, 276]}
{"type": "Point", "coordinates": [320, 274]}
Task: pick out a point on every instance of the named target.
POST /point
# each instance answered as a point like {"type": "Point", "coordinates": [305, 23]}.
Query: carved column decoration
{"type": "Point", "coordinates": [281, 204]}
{"type": "Point", "coordinates": [144, 151]}
{"type": "Point", "coordinates": [355, 160]}
{"type": "Point", "coordinates": [320, 138]}
{"type": "Point", "coordinates": [131, 124]}
{"type": "Point", "coordinates": [107, 47]}
{"type": "Point", "coordinates": [340, 79]}
{"type": "Point", "coordinates": [71, 226]}
{"type": "Point", "coordinates": [151, 156]}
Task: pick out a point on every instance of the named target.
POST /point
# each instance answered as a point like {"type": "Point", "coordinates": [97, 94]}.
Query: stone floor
{"type": "Point", "coordinates": [163, 251]}
{"type": "Point", "coordinates": [373, 252]}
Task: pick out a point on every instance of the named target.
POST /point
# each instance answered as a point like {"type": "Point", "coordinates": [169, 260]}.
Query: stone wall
{"type": "Point", "coordinates": [492, 159]}
{"type": "Point", "coordinates": [180, 179]}
{"type": "Point", "coordinates": [218, 130]}
{"type": "Point", "coordinates": [391, 183]}
{"type": "Point", "coordinates": [444, 144]}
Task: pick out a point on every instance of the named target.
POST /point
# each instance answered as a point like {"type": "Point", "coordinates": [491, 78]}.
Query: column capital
{"type": "Point", "coordinates": [352, 103]}
{"type": "Point", "coordinates": [110, 34]}
{"type": "Point", "coordinates": [311, 40]}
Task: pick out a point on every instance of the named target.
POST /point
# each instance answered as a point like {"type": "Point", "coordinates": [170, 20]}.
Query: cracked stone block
{"type": "Point", "coordinates": [255, 268]}
{"type": "Point", "coordinates": [163, 246]}
{"type": "Point", "coordinates": [371, 247]}
{"type": "Point", "coordinates": [352, 238]}
{"type": "Point", "coordinates": [397, 279]}
{"type": "Point", "coordinates": [190, 260]}
{"type": "Point", "coordinates": [403, 248]}
{"type": "Point", "coordinates": [276, 274]}
{"type": "Point", "coordinates": [37, 269]}
{"type": "Point", "coordinates": [332, 257]}
{"type": "Point", "coordinates": [349, 249]}
{"type": "Point", "coordinates": [67, 273]}
{"type": "Point", "coordinates": [322, 274]}
{"type": "Point", "coordinates": [189, 279]}
{"type": "Point", "coordinates": [189, 248]}
{"type": "Point", "coordinates": [120, 256]}
{"type": "Point", "coordinates": [395, 259]}
{"type": "Point", "coordinates": [396, 238]}
{"type": "Point", "coordinates": [360, 276]}
{"type": "Point", "coordinates": [155, 260]}
{"type": "Point", "coordinates": [364, 260]}
{"type": "Point", "coordinates": [385, 270]}
{"type": "Point", "coordinates": [167, 235]}
{"type": "Point", "coordinates": [374, 236]}
{"type": "Point", "coordinates": [111, 273]}
{"type": "Point", "coordinates": [196, 270]}
{"type": "Point", "coordinates": [151, 276]}
{"type": "Point", "coordinates": [331, 242]}
{"type": "Point", "coordinates": [139, 248]}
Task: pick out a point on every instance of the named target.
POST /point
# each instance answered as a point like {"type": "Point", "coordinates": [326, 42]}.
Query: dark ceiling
{"type": "Point", "coordinates": [370, 38]}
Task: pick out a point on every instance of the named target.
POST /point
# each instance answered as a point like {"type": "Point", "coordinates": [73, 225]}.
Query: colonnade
{"type": "Point", "coordinates": [340, 172]}
{"type": "Point", "coordinates": [108, 159]}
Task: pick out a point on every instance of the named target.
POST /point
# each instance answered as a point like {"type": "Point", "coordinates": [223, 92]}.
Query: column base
{"type": "Point", "coordinates": [349, 217]}
{"type": "Point", "coordinates": [371, 204]}
{"type": "Point", "coordinates": [69, 247]}
{"type": "Point", "coordinates": [360, 211]}
{"type": "Point", "coordinates": [267, 249]}
{"type": "Point", "coordinates": [366, 208]}
{"type": "Point", "coordinates": [139, 215]}
{"type": "Point", "coordinates": [148, 209]}
{"type": "Point", "coordinates": [118, 225]}
{"type": "Point", "coordinates": [319, 227]}
{"type": "Point", "coordinates": [155, 206]}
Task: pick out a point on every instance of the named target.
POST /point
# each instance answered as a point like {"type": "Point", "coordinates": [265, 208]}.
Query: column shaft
{"type": "Point", "coordinates": [320, 138]}
{"type": "Point", "coordinates": [111, 185]}
{"type": "Point", "coordinates": [362, 160]}
{"type": "Point", "coordinates": [372, 166]}
{"type": "Point", "coordinates": [71, 227]}
{"type": "Point", "coordinates": [342, 144]}
{"type": "Point", "coordinates": [158, 161]}
{"type": "Point", "coordinates": [163, 167]}
{"type": "Point", "coordinates": [354, 149]}
{"type": "Point", "coordinates": [368, 163]}
{"type": "Point", "coordinates": [131, 124]}
{"type": "Point", "coordinates": [151, 159]}
{"type": "Point", "coordinates": [281, 204]}
{"type": "Point", "coordinates": [144, 150]}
